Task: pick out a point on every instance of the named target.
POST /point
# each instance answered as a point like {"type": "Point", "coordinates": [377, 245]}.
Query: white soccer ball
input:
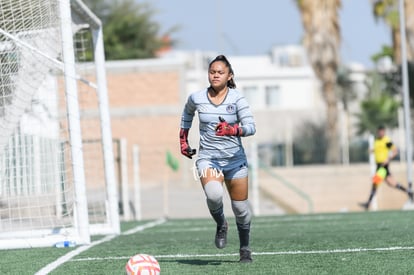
{"type": "Point", "coordinates": [142, 264]}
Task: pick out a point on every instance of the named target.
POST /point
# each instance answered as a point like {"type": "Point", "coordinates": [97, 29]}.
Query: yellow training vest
{"type": "Point", "coordinates": [382, 149]}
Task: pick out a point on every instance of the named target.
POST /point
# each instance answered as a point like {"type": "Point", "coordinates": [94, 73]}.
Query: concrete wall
{"type": "Point", "coordinates": [331, 188]}
{"type": "Point", "coordinates": [145, 100]}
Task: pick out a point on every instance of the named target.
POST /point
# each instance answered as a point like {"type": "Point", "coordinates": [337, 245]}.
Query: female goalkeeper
{"type": "Point", "coordinates": [225, 118]}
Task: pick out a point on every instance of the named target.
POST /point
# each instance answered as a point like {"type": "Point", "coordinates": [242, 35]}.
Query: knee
{"type": "Point", "coordinates": [214, 194]}
{"type": "Point", "coordinates": [241, 211]}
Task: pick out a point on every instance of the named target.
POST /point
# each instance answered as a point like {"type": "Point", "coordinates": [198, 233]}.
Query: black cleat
{"type": "Point", "coordinates": [245, 255]}
{"type": "Point", "coordinates": [364, 205]}
{"type": "Point", "coordinates": [221, 235]}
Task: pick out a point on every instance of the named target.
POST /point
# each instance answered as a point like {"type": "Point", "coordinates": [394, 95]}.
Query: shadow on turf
{"type": "Point", "coordinates": [200, 262]}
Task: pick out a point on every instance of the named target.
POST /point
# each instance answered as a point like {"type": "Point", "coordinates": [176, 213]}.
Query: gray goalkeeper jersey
{"type": "Point", "coordinates": [234, 109]}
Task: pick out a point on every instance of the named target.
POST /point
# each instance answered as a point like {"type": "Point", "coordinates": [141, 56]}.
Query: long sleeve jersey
{"type": "Point", "coordinates": [234, 109]}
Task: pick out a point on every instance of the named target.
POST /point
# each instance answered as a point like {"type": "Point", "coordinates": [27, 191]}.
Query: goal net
{"type": "Point", "coordinates": [57, 179]}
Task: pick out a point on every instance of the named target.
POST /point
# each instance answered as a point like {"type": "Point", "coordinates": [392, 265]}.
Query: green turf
{"type": "Point", "coordinates": [343, 243]}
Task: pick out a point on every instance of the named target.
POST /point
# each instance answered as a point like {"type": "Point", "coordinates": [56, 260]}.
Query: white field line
{"type": "Point", "coordinates": [295, 252]}
{"type": "Point", "coordinates": [264, 219]}
{"type": "Point", "coordinates": [144, 226]}
{"type": "Point", "coordinates": [292, 218]}
{"type": "Point", "coordinates": [67, 257]}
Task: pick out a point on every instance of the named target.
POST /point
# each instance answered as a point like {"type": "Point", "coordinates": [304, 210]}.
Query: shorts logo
{"type": "Point", "coordinates": [230, 108]}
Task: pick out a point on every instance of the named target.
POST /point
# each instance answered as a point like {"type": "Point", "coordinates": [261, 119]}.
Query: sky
{"type": "Point", "coordinates": [238, 27]}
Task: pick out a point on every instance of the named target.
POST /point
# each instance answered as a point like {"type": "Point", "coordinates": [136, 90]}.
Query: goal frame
{"type": "Point", "coordinates": [95, 24]}
{"type": "Point", "coordinates": [70, 10]}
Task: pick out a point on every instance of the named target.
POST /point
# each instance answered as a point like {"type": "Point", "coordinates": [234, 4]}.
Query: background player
{"type": "Point", "coordinates": [384, 151]}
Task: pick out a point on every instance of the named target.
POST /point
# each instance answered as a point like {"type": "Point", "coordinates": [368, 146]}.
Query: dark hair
{"type": "Point", "coordinates": [222, 58]}
{"type": "Point", "coordinates": [381, 127]}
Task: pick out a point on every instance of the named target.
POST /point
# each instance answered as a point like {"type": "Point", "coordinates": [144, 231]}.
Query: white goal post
{"type": "Point", "coordinates": [57, 180]}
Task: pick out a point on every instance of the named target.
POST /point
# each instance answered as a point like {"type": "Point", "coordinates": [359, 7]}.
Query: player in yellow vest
{"type": "Point", "coordinates": [384, 151]}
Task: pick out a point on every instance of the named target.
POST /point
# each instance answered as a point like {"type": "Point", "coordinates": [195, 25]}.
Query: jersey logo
{"type": "Point", "coordinates": [231, 108]}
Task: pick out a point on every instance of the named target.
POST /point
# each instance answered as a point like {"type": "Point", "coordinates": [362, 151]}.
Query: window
{"type": "Point", "coordinates": [273, 96]}
{"type": "Point", "coordinates": [252, 96]}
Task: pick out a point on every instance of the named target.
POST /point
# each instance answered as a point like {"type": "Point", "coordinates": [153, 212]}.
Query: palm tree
{"type": "Point", "coordinates": [387, 11]}
{"type": "Point", "coordinates": [322, 42]}
{"type": "Point", "coordinates": [409, 25]}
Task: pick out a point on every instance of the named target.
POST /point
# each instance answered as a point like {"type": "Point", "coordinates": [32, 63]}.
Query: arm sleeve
{"type": "Point", "coordinates": [188, 114]}
{"type": "Point", "coordinates": [245, 117]}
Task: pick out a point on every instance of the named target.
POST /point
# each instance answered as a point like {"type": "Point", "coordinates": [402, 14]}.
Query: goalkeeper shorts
{"type": "Point", "coordinates": [229, 169]}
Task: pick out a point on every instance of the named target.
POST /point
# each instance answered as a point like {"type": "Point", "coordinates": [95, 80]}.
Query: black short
{"type": "Point", "coordinates": [386, 168]}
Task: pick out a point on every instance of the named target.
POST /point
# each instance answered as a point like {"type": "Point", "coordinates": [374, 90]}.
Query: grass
{"type": "Point", "coordinates": [343, 243]}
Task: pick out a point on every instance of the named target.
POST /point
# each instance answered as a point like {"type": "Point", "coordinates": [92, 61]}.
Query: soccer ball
{"type": "Point", "coordinates": [142, 264]}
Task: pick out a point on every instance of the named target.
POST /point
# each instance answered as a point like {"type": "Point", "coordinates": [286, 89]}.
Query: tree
{"type": "Point", "coordinates": [387, 11]}
{"type": "Point", "coordinates": [129, 31]}
{"type": "Point", "coordinates": [392, 78]}
{"type": "Point", "coordinates": [345, 87]}
{"type": "Point", "coordinates": [346, 94]}
{"type": "Point", "coordinates": [380, 106]}
{"type": "Point", "coordinates": [322, 41]}
{"type": "Point", "coordinates": [378, 111]}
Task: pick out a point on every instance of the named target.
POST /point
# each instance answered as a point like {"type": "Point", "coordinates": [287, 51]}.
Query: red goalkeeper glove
{"type": "Point", "coordinates": [225, 129]}
{"type": "Point", "coordinates": [185, 148]}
